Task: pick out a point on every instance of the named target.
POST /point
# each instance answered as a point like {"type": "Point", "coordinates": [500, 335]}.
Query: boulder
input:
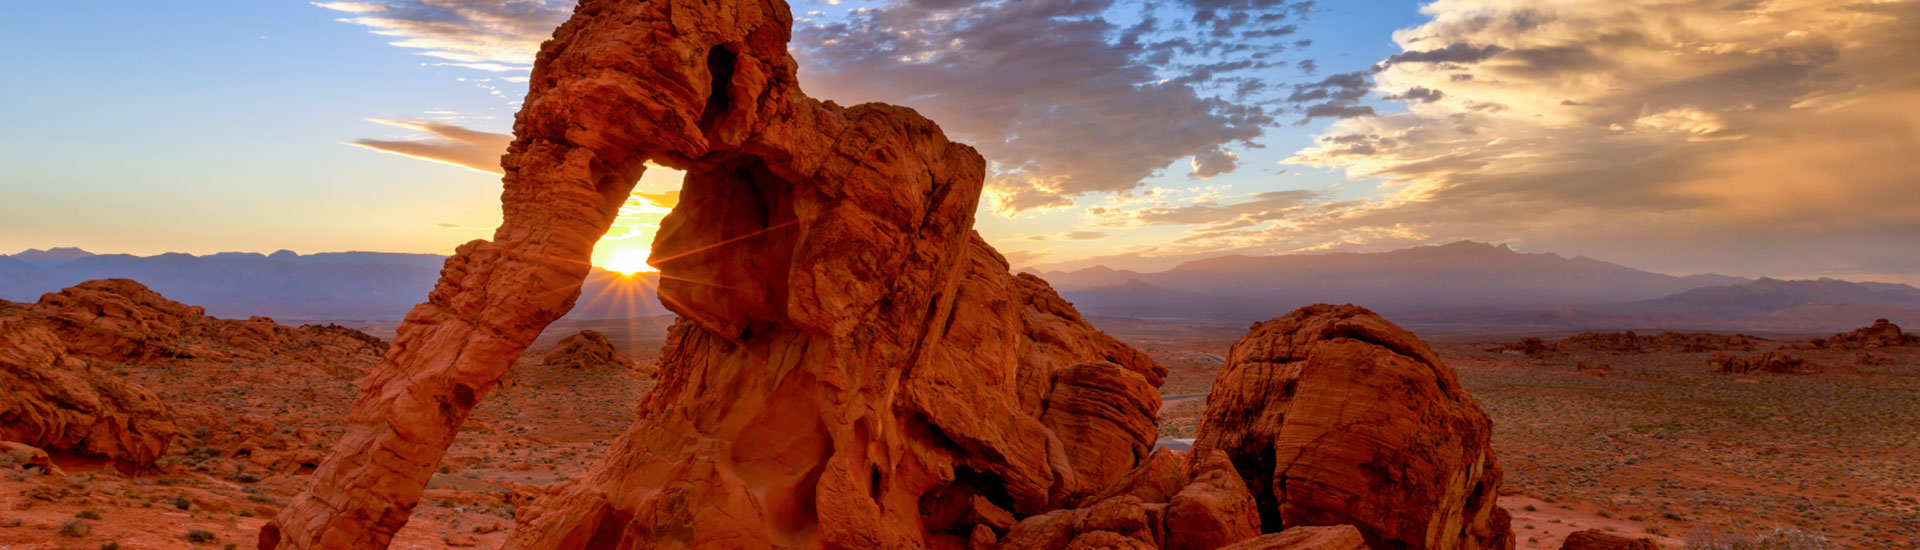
{"type": "Point", "coordinates": [27, 457]}
{"type": "Point", "coordinates": [1595, 539]}
{"type": "Point", "coordinates": [1214, 510]}
{"type": "Point", "coordinates": [1335, 416]}
{"type": "Point", "coordinates": [587, 349]}
{"type": "Point", "coordinates": [1331, 537]}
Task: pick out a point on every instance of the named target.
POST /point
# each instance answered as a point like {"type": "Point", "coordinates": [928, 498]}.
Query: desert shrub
{"type": "Point", "coordinates": [87, 514]}
{"type": "Point", "coordinates": [200, 535]}
{"type": "Point", "coordinates": [182, 503]}
{"type": "Point", "coordinates": [110, 545]}
{"type": "Point", "coordinates": [1778, 539]}
{"type": "Point", "coordinates": [76, 528]}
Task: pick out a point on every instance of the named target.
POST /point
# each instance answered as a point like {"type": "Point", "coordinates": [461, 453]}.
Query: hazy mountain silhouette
{"type": "Point", "coordinates": [49, 257]}
{"type": "Point", "coordinates": [1767, 296]}
{"type": "Point", "coordinates": [1465, 285]}
{"type": "Point", "coordinates": [290, 286]}
{"type": "Point", "coordinates": [1459, 276]}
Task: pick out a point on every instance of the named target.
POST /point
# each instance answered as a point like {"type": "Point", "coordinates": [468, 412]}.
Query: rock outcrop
{"type": "Point", "coordinates": [853, 366]}
{"type": "Point", "coordinates": [56, 392]}
{"type": "Point", "coordinates": [1335, 416]}
{"type": "Point", "coordinates": [586, 349]}
{"type": "Point", "coordinates": [1595, 539]}
{"type": "Point", "coordinates": [1630, 343]}
{"type": "Point", "coordinates": [53, 399]}
{"type": "Point", "coordinates": [1881, 334]}
{"type": "Point", "coordinates": [1336, 537]}
{"type": "Point", "coordinates": [1771, 362]}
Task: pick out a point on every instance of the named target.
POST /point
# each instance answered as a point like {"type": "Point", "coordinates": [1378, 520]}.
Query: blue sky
{"type": "Point", "coordinates": [1685, 136]}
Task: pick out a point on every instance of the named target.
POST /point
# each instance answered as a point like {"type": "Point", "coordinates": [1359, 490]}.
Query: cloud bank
{"type": "Point", "coordinates": [1064, 98]}
{"type": "Point", "coordinates": [1774, 137]}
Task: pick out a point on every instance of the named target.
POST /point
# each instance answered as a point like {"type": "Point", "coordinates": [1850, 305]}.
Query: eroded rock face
{"type": "Point", "coordinates": [1771, 362]}
{"type": "Point", "coordinates": [1335, 416]}
{"type": "Point", "coordinates": [1332, 537]}
{"type": "Point", "coordinates": [52, 399]}
{"type": "Point", "coordinates": [55, 389]}
{"type": "Point", "coordinates": [1881, 334]}
{"type": "Point", "coordinates": [853, 367]}
{"type": "Point", "coordinates": [586, 349]}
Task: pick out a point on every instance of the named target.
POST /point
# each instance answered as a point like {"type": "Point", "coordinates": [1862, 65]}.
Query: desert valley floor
{"type": "Point", "coordinates": [1654, 444]}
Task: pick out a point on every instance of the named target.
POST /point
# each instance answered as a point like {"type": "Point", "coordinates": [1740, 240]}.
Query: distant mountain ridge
{"type": "Point", "coordinates": [1459, 275]}
{"type": "Point", "coordinates": [290, 286]}
{"type": "Point", "coordinates": [1469, 284]}
{"type": "Point", "coordinates": [1463, 284]}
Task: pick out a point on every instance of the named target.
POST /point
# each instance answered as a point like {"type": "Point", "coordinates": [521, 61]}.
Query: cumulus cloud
{"type": "Point", "coordinates": [493, 35]}
{"type": "Point", "coordinates": [1060, 98]}
{"type": "Point", "coordinates": [1214, 162]}
{"type": "Point", "coordinates": [449, 144]}
{"type": "Point", "coordinates": [1690, 136]}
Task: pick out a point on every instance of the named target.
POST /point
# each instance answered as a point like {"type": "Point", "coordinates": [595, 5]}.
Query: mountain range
{"type": "Point", "coordinates": [1471, 284]}
{"type": "Point", "coordinates": [1466, 285]}
{"type": "Point", "coordinates": [289, 286]}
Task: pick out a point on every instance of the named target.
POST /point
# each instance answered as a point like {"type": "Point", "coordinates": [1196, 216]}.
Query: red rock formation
{"type": "Point", "coordinates": [586, 349]}
{"type": "Point", "coordinates": [1335, 416]}
{"type": "Point", "coordinates": [1214, 510]}
{"type": "Point", "coordinates": [27, 457]}
{"type": "Point", "coordinates": [52, 399]}
{"type": "Point", "coordinates": [57, 396]}
{"type": "Point", "coordinates": [1881, 334]}
{"type": "Point", "coordinates": [1156, 505]}
{"type": "Point", "coordinates": [1772, 362]}
{"type": "Point", "coordinates": [1595, 539]}
{"type": "Point", "coordinates": [1629, 343]}
{"type": "Point", "coordinates": [853, 368]}
{"type": "Point", "coordinates": [1335, 537]}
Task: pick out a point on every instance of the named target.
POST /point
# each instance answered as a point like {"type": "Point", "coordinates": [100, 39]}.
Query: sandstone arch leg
{"type": "Point", "coordinates": [492, 300]}
{"type": "Point", "coordinates": [599, 105]}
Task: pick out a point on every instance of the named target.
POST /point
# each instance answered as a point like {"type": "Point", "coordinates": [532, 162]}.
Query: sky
{"type": "Point", "coordinates": [1744, 137]}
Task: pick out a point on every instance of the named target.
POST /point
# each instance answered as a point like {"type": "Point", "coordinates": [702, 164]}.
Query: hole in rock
{"type": "Point", "coordinates": [727, 248]}
{"type": "Point", "coordinates": [720, 63]}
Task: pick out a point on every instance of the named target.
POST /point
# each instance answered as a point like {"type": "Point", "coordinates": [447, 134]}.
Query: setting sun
{"type": "Point", "coordinates": [627, 261]}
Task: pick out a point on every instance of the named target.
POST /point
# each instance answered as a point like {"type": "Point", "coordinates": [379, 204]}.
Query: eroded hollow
{"type": "Point", "coordinates": [725, 251]}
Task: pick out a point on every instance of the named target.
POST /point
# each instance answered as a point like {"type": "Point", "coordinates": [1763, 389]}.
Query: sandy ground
{"type": "Point", "coordinates": [1660, 447]}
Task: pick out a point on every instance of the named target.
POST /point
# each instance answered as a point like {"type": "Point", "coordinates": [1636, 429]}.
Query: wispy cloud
{"type": "Point", "coordinates": [449, 144]}
{"type": "Point", "coordinates": [490, 35]}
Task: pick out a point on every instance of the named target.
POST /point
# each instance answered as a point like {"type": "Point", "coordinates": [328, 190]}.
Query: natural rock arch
{"type": "Point", "coordinates": [847, 342]}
